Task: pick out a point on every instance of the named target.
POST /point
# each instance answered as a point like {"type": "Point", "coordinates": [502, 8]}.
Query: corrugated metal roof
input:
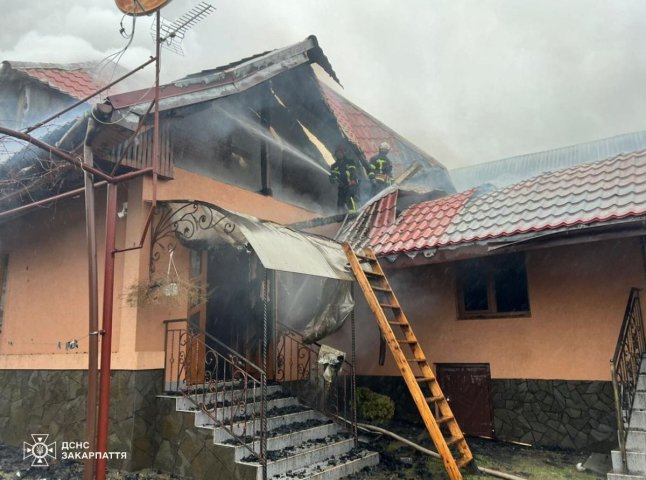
{"type": "Point", "coordinates": [507, 171]}
{"type": "Point", "coordinates": [366, 132]}
{"type": "Point", "coordinates": [77, 80]}
{"type": "Point", "coordinates": [233, 78]}
{"type": "Point", "coordinates": [586, 194]}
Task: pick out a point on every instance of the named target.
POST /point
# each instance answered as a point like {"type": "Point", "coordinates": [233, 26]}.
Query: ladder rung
{"type": "Point", "coordinates": [413, 360]}
{"type": "Point", "coordinates": [382, 289]}
{"type": "Point", "coordinates": [409, 342]}
{"type": "Point", "coordinates": [442, 420]}
{"type": "Point", "coordinates": [462, 461]}
{"type": "Point", "coordinates": [425, 379]}
{"type": "Point", "coordinates": [434, 399]}
{"type": "Point", "coordinates": [401, 324]}
{"type": "Point", "coordinates": [365, 259]}
{"type": "Point", "coordinates": [453, 440]}
{"type": "Point", "coordinates": [373, 274]}
{"type": "Point", "coordinates": [390, 305]}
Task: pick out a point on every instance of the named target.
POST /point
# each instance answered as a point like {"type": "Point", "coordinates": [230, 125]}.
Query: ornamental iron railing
{"type": "Point", "coordinates": [327, 387]}
{"type": "Point", "coordinates": [226, 387]}
{"type": "Point", "coordinates": [625, 366]}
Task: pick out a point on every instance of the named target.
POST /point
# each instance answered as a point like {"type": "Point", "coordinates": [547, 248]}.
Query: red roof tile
{"type": "Point", "coordinates": [75, 80]}
{"type": "Point", "coordinates": [418, 226]}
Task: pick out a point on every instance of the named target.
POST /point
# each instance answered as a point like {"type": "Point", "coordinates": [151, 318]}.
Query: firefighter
{"type": "Point", "coordinates": [345, 174]}
{"type": "Point", "coordinates": [380, 169]}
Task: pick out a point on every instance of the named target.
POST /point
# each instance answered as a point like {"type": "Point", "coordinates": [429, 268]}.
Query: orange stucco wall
{"type": "Point", "coordinates": [577, 294]}
{"type": "Point", "coordinates": [190, 186]}
{"type": "Point", "coordinates": [46, 298]}
{"type": "Point", "coordinates": [46, 301]}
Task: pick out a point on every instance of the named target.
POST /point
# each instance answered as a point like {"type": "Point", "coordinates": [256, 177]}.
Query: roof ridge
{"type": "Point", "coordinates": [549, 150]}
{"type": "Point", "coordinates": [20, 65]}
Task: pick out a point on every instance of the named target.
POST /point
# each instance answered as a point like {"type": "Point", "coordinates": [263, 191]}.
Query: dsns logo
{"type": "Point", "coordinates": [40, 450]}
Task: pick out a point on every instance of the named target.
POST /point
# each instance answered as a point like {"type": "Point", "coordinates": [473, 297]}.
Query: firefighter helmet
{"type": "Point", "coordinates": [384, 147]}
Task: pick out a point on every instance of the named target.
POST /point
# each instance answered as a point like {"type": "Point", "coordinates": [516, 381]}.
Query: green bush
{"type": "Point", "coordinates": [374, 407]}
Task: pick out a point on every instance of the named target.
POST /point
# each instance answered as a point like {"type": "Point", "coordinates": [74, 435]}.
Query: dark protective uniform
{"type": "Point", "coordinates": [380, 172]}
{"type": "Point", "coordinates": [345, 174]}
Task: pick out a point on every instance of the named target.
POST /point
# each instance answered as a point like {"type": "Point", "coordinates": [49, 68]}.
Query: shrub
{"type": "Point", "coordinates": [374, 407]}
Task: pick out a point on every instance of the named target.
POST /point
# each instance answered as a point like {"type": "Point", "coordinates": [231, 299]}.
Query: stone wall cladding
{"type": "Point", "coordinates": [555, 413]}
{"type": "Point", "coordinates": [568, 414]}
{"type": "Point", "coordinates": [188, 451]}
{"type": "Point", "coordinates": [54, 402]}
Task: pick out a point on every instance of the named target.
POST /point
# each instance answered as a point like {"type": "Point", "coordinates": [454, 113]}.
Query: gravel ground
{"type": "Point", "coordinates": [398, 462]}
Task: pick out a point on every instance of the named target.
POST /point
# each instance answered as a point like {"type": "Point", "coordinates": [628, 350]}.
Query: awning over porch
{"type": "Point", "coordinates": [200, 224]}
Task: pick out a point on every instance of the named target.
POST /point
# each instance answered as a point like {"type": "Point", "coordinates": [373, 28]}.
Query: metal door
{"type": "Point", "coordinates": [467, 388]}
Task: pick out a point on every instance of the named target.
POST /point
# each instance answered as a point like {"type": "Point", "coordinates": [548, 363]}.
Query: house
{"type": "Point", "coordinates": [31, 91]}
{"type": "Point", "coordinates": [517, 296]}
{"type": "Point", "coordinates": [246, 141]}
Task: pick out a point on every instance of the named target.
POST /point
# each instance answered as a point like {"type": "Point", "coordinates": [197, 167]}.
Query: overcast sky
{"type": "Point", "coordinates": [467, 81]}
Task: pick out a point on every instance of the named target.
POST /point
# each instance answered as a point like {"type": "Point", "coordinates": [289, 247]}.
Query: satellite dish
{"type": "Point", "coordinates": [140, 7]}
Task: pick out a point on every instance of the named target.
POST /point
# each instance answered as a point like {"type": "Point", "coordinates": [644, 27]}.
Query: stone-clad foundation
{"type": "Point", "coordinates": [568, 414]}
{"type": "Point", "coordinates": [53, 402]}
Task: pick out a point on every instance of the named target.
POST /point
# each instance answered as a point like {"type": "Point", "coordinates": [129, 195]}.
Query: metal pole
{"type": "Point", "coordinates": [263, 379]}
{"type": "Point", "coordinates": [93, 323]}
{"type": "Point", "coordinates": [106, 342]}
{"type": "Point", "coordinates": [355, 434]}
{"type": "Point", "coordinates": [156, 124]}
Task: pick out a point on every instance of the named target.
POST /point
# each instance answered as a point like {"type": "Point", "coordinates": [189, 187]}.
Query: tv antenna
{"type": "Point", "coordinates": [171, 34]}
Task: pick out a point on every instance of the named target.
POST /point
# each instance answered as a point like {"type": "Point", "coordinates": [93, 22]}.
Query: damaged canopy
{"type": "Point", "coordinates": [316, 304]}
{"type": "Point", "coordinates": [202, 225]}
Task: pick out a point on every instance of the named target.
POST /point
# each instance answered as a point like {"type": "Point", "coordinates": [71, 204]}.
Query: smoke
{"type": "Point", "coordinates": [466, 81]}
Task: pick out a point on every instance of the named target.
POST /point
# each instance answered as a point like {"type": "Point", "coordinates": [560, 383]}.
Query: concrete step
{"type": "Point", "coordinates": [336, 467]}
{"type": "Point", "coordinates": [638, 419]}
{"type": "Point", "coordinates": [641, 381]}
{"type": "Point", "coordinates": [636, 440]}
{"type": "Point", "coordinates": [291, 439]}
{"type": "Point", "coordinates": [189, 404]}
{"type": "Point", "coordinates": [625, 476]}
{"type": "Point", "coordinates": [640, 401]}
{"type": "Point", "coordinates": [309, 455]}
{"type": "Point", "coordinates": [636, 462]}
{"type": "Point", "coordinates": [224, 414]}
{"type": "Point", "coordinates": [242, 429]}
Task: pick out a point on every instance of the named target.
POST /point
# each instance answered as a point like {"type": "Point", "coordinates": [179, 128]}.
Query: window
{"type": "Point", "coordinates": [493, 287]}
{"type": "Point", "coordinates": [4, 261]}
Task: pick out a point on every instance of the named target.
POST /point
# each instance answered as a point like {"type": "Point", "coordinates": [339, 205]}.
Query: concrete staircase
{"type": "Point", "coordinates": [302, 443]}
{"type": "Point", "coordinates": [636, 441]}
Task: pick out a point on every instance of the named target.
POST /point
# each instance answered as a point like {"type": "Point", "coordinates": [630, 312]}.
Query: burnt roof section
{"type": "Point", "coordinates": [229, 79]}
{"type": "Point", "coordinates": [366, 132]}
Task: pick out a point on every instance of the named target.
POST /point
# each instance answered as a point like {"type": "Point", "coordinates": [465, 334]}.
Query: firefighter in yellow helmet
{"type": "Point", "coordinates": [380, 170]}
{"type": "Point", "coordinates": [345, 174]}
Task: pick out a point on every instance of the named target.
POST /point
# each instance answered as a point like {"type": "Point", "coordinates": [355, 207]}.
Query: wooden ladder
{"type": "Point", "coordinates": [440, 422]}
